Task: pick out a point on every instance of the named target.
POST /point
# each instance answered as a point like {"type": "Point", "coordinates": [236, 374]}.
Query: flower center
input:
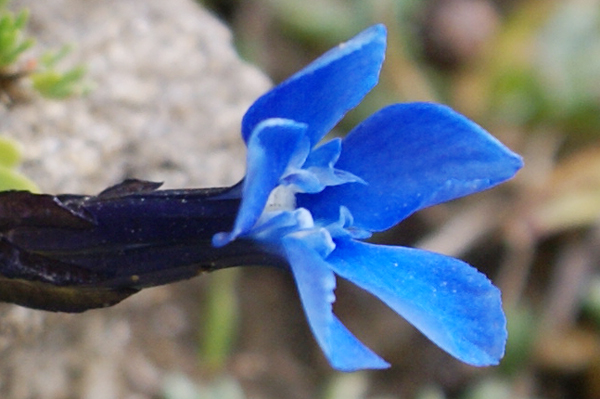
{"type": "Point", "coordinates": [282, 198]}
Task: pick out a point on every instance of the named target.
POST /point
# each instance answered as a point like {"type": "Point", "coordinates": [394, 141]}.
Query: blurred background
{"type": "Point", "coordinates": [526, 70]}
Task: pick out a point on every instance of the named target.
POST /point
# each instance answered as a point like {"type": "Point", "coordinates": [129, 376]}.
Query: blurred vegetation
{"type": "Point", "coordinates": [529, 72]}
{"type": "Point", "coordinates": [17, 76]}
{"type": "Point", "coordinates": [50, 82]}
{"type": "Point", "coordinates": [10, 158]}
{"type": "Point", "coordinates": [43, 76]}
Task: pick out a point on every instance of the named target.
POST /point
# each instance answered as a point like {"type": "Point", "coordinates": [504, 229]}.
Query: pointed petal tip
{"type": "Point", "coordinates": [486, 348]}
{"type": "Point", "coordinates": [371, 43]}
{"type": "Point", "coordinates": [321, 93]}
{"type": "Point", "coordinates": [346, 353]}
{"type": "Point", "coordinates": [374, 364]}
{"type": "Point", "coordinates": [360, 363]}
{"type": "Point", "coordinates": [517, 162]}
{"type": "Point", "coordinates": [484, 360]}
{"type": "Point", "coordinates": [487, 356]}
{"type": "Point", "coordinates": [373, 33]}
{"type": "Point", "coordinates": [315, 282]}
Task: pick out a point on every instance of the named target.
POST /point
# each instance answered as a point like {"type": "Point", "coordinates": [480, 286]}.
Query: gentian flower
{"type": "Point", "coordinates": [313, 204]}
{"type": "Point", "coordinates": [303, 205]}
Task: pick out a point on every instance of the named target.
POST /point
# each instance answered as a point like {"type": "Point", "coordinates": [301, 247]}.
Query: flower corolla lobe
{"type": "Point", "coordinates": [314, 203]}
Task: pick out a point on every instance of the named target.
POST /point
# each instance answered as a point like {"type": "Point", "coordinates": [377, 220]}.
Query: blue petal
{"type": "Point", "coordinates": [304, 181]}
{"type": "Point", "coordinates": [271, 147]}
{"type": "Point", "coordinates": [276, 224]}
{"type": "Point", "coordinates": [344, 227]}
{"type": "Point", "coordinates": [412, 156]}
{"type": "Point", "coordinates": [316, 283]}
{"type": "Point", "coordinates": [316, 170]}
{"type": "Point", "coordinates": [320, 94]}
{"type": "Point", "coordinates": [449, 301]}
{"type": "Point", "coordinates": [325, 154]}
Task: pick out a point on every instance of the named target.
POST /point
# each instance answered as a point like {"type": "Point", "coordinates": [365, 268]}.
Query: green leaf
{"type": "Point", "coordinates": [57, 85]}
{"type": "Point", "coordinates": [12, 180]}
{"type": "Point", "coordinates": [10, 154]}
{"type": "Point", "coordinates": [12, 43]}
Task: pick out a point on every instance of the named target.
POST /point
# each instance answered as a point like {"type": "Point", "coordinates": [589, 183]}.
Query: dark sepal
{"type": "Point", "coordinates": [71, 253]}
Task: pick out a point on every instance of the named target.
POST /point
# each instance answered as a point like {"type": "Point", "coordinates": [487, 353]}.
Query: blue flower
{"type": "Point", "coordinates": [312, 203]}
